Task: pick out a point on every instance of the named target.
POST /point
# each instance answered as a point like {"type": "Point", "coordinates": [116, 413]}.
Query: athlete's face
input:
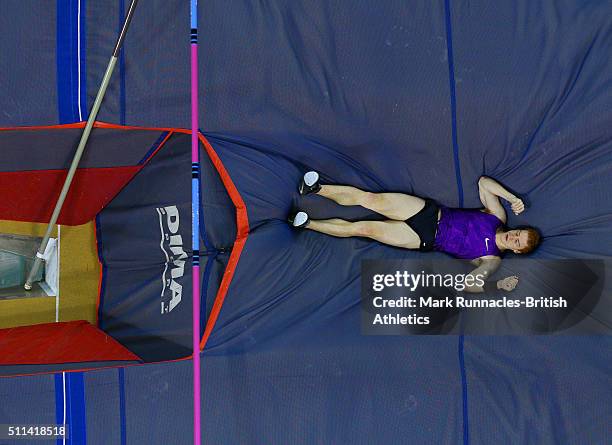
{"type": "Point", "coordinates": [515, 240]}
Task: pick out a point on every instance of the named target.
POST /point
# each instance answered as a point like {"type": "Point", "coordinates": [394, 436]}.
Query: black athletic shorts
{"type": "Point", "coordinates": [425, 223]}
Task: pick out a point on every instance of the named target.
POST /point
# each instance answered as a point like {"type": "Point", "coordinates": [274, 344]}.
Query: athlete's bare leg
{"type": "Point", "coordinates": [396, 206]}
{"type": "Point", "coordinates": [393, 233]}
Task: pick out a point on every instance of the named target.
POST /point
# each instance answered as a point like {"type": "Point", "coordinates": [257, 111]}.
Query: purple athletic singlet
{"type": "Point", "coordinates": [467, 233]}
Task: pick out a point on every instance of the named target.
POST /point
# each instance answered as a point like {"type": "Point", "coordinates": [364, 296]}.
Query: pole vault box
{"type": "Point", "coordinates": [137, 185]}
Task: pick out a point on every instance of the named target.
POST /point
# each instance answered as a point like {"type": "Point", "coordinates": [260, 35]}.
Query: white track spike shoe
{"type": "Point", "coordinates": [299, 220]}
{"type": "Point", "coordinates": [310, 183]}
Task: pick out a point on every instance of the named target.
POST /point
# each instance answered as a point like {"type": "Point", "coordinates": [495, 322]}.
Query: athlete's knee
{"type": "Point", "coordinates": [368, 229]}
{"type": "Point", "coordinates": [373, 200]}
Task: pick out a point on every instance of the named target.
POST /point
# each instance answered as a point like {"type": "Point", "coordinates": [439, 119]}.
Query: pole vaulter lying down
{"type": "Point", "coordinates": [477, 235]}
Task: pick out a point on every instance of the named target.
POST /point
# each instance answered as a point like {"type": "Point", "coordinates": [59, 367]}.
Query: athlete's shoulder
{"type": "Point", "coordinates": [498, 217]}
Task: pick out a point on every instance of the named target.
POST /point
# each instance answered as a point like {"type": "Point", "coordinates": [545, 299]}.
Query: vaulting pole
{"type": "Point", "coordinates": [81, 147]}
{"type": "Point", "coordinates": [195, 228]}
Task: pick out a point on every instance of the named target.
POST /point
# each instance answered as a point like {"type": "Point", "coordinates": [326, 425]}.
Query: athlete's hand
{"type": "Point", "coordinates": [508, 284]}
{"type": "Point", "coordinates": [517, 205]}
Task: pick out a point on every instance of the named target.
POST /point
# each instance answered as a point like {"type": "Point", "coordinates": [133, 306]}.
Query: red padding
{"type": "Point", "coordinates": [31, 195]}
{"type": "Point", "coordinates": [53, 343]}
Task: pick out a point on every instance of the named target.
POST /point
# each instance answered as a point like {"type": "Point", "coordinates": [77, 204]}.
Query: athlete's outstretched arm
{"type": "Point", "coordinates": [490, 191]}
{"type": "Point", "coordinates": [486, 267]}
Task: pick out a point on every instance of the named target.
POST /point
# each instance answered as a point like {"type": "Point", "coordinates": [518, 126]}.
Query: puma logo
{"type": "Point", "coordinates": [487, 243]}
{"type": "Point", "coordinates": [171, 244]}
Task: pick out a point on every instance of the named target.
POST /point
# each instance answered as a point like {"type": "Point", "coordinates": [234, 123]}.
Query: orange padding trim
{"type": "Point", "coordinates": [97, 124]}
{"type": "Point", "coordinates": [242, 232]}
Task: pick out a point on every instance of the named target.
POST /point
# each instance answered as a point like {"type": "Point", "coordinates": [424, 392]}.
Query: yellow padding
{"type": "Point", "coordinates": [79, 276]}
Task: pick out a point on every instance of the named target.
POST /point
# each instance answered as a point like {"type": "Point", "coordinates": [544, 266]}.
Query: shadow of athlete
{"type": "Point", "coordinates": [478, 235]}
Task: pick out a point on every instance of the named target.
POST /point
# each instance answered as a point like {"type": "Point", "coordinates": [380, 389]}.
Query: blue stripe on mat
{"type": "Point", "coordinates": [122, 405]}
{"type": "Point", "coordinates": [70, 386]}
{"type": "Point", "coordinates": [71, 56]}
{"type": "Point", "coordinates": [453, 100]}
{"type": "Point", "coordinates": [76, 408]}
